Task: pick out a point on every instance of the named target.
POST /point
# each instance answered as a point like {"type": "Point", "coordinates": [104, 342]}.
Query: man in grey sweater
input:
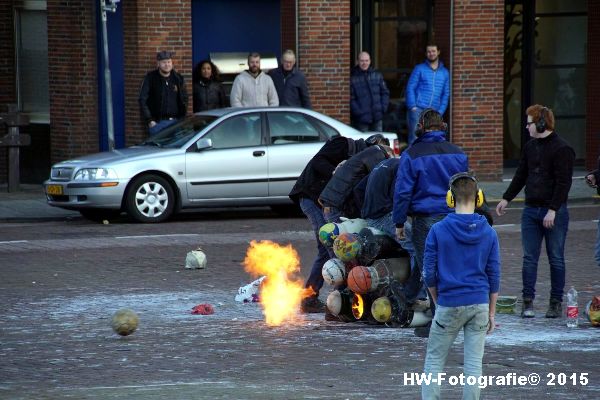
{"type": "Point", "coordinates": [252, 87]}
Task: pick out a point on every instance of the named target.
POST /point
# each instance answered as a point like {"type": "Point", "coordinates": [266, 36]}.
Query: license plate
{"type": "Point", "coordinates": [54, 189]}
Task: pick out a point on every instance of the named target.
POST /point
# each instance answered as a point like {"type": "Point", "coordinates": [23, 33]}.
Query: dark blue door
{"type": "Point", "coordinates": [235, 26]}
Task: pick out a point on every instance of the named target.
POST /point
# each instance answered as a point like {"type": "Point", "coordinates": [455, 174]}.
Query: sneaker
{"type": "Point", "coordinates": [423, 331]}
{"type": "Point", "coordinates": [554, 309]}
{"type": "Point", "coordinates": [527, 310]}
{"type": "Point", "coordinates": [312, 305]}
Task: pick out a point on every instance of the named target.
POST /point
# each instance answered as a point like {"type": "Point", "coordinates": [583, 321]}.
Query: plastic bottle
{"type": "Point", "coordinates": [572, 309]}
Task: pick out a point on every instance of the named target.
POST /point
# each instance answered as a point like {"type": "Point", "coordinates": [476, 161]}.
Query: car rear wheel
{"type": "Point", "coordinates": [150, 198]}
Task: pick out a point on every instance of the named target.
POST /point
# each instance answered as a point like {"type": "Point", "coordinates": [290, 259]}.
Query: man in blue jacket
{"type": "Point", "coordinates": [369, 95]}
{"type": "Point", "coordinates": [290, 82]}
{"type": "Point", "coordinates": [428, 87]}
{"type": "Point", "coordinates": [421, 185]}
{"type": "Point", "coordinates": [462, 272]}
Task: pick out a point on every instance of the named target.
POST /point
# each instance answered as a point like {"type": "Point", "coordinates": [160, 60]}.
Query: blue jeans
{"type": "Point", "coordinates": [420, 229]}
{"type": "Point", "coordinates": [315, 216]}
{"type": "Point", "coordinates": [386, 224]}
{"type": "Point", "coordinates": [412, 117]}
{"type": "Point", "coordinates": [160, 125]}
{"type": "Point", "coordinates": [597, 253]}
{"type": "Point", "coordinates": [332, 214]}
{"type": "Point", "coordinates": [532, 233]}
{"type": "Point", "coordinates": [446, 325]}
{"type": "Point", "coordinates": [374, 126]}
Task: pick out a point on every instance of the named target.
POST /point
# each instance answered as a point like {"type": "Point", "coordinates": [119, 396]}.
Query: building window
{"type": "Point", "coordinates": [31, 35]}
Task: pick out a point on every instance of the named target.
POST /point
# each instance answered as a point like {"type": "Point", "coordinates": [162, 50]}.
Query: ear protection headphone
{"type": "Point", "coordinates": [540, 126]}
{"type": "Point", "coordinates": [420, 128]}
{"type": "Point", "coordinates": [479, 199]}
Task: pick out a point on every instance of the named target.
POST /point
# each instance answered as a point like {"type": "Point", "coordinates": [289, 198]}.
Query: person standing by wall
{"type": "Point", "coordinates": [369, 95]}
{"type": "Point", "coordinates": [428, 87]}
{"type": "Point", "coordinates": [252, 87]}
{"type": "Point", "coordinates": [546, 172]}
{"type": "Point", "coordinates": [208, 90]}
{"type": "Point", "coordinates": [163, 96]}
{"type": "Point", "coordinates": [290, 82]}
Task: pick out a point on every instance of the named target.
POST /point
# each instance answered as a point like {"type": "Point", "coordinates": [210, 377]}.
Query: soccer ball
{"type": "Point", "coordinates": [334, 272]}
{"type": "Point", "coordinates": [125, 322]}
{"type": "Point", "coordinates": [328, 233]}
{"type": "Point", "coordinates": [381, 309]}
{"type": "Point", "coordinates": [346, 247]}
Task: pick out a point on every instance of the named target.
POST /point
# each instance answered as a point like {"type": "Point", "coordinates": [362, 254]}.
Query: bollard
{"type": "Point", "coordinates": [13, 140]}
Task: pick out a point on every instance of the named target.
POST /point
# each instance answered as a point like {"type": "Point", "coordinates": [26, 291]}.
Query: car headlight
{"type": "Point", "coordinates": [95, 174]}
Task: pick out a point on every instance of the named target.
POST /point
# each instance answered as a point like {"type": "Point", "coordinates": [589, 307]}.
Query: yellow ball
{"type": "Point", "coordinates": [125, 322]}
{"type": "Point", "coordinates": [381, 309]}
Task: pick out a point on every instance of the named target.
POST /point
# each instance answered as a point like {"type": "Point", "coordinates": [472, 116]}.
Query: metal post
{"type": "Point", "coordinates": [107, 76]}
{"type": "Point", "coordinates": [13, 162]}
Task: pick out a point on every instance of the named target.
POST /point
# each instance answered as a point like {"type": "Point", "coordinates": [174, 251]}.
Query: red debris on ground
{"type": "Point", "coordinates": [203, 309]}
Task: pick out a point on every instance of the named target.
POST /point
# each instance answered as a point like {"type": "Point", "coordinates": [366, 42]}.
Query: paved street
{"type": "Point", "coordinates": [63, 279]}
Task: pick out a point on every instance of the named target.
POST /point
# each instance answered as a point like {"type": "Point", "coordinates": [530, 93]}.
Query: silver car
{"type": "Point", "coordinates": [219, 158]}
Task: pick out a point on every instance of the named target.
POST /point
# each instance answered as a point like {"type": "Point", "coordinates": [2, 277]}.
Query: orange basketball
{"type": "Point", "coordinates": [359, 280]}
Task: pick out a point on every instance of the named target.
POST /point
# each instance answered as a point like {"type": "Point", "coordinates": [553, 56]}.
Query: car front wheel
{"type": "Point", "coordinates": [150, 198]}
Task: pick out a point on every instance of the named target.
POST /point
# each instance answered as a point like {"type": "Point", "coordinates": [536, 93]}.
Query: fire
{"type": "Point", "coordinates": [280, 292]}
{"type": "Point", "coordinates": [358, 306]}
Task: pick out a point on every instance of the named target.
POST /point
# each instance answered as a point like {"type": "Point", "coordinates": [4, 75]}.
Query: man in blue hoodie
{"type": "Point", "coordinates": [462, 272]}
{"type": "Point", "coordinates": [428, 87]}
{"type": "Point", "coordinates": [421, 186]}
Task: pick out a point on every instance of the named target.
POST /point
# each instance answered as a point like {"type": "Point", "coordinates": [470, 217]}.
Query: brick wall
{"type": "Point", "coordinates": [592, 138]}
{"type": "Point", "coordinates": [288, 25]}
{"type": "Point", "coordinates": [73, 82]}
{"type": "Point", "coordinates": [324, 53]}
{"type": "Point", "coordinates": [150, 26]}
{"type": "Point", "coordinates": [7, 73]}
{"type": "Point", "coordinates": [477, 93]}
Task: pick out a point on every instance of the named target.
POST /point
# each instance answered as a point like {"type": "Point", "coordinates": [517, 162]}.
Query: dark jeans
{"type": "Point", "coordinates": [420, 229]}
{"type": "Point", "coordinates": [374, 127]}
{"type": "Point", "coordinates": [532, 233]}
{"type": "Point", "coordinates": [315, 216]}
{"type": "Point", "coordinates": [412, 118]}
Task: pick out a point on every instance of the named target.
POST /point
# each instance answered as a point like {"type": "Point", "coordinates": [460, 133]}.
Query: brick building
{"type": "Point", "coordinates": [502, 54]}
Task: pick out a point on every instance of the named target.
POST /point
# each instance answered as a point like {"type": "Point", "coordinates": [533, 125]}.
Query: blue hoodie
{"type": "Point", "coordinates": [462, 260]}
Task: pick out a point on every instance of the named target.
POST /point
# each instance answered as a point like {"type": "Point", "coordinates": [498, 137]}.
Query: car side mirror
{"type": "Point", "coordinates": [204, 144]}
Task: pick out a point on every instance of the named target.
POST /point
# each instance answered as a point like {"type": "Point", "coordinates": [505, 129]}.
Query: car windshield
{"type": "Point", "coordinates": [179, 134]}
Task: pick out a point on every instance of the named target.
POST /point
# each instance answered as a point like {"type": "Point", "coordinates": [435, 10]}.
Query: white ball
{"type": "Point", "coordinates": [195, 259]}
{"type": "Point", "coordinates": [334, 302]}
{"type": "Point", "coordinates": [334, 272]}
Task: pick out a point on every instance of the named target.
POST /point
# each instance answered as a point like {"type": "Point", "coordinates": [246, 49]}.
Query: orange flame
{"type": "Point", "coordinates": [280, 293]}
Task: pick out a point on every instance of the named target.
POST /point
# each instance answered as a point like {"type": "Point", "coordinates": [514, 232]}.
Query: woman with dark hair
{"type": "Point", "coordinates": [208, 90]}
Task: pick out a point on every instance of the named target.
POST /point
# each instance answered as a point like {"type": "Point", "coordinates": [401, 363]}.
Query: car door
{"type": "Point", "coordinates": [235, 167]}
{"type": "Point", "coordinates": [293, 140]}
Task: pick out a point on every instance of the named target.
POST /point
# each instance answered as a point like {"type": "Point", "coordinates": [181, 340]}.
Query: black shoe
{"type": "Point", "coordinates": [423, 331]}
{"type": "Point", "coordinates": [527, 310]}
{"type": "Point", "coordinates": [554, 309]}
{"type": "Point", "coordinates": [312, 305]}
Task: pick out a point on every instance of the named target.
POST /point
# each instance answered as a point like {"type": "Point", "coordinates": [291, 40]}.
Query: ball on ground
{"type": "Point", "coordinates": [125, 322]}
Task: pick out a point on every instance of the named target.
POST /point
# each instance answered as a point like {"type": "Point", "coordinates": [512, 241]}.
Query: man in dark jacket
{"type": "Point", "coordinates": [290, 82]}
{"type": "Point", "coordinates": [421, 185]}
{"type": "Point", "coordinates": [546, 171]}
{"type": "Point", "coordinates": [337, 197]}
{"type": "Point", "coordinates": [306, 192]}
{"type": "Point", "coordinates": [370, 96]}
{"type": "Point", "coordinates": [163, 96]}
